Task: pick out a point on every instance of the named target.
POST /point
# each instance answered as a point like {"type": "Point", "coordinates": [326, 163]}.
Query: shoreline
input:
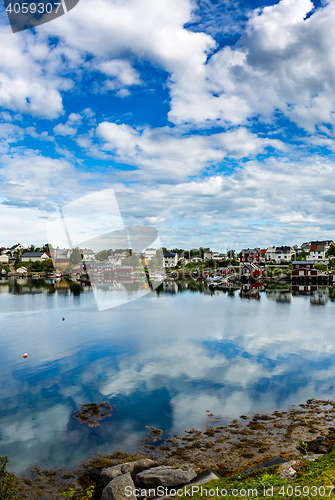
{"type": "Point", "coordinates": [227, 449]}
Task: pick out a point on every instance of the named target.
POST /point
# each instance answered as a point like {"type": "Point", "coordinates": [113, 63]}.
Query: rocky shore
{"type": "Point", "coordinates": [284, 444]}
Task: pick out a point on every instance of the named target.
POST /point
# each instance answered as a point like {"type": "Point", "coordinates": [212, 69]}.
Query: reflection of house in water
{"type": "Point", "coordinates": [170, 287]}
{"type": "Point", "coordinates": [251, 291]}
{"type": "Point", "coordinates": [279, 295]}
{"type": "Point", "coordinates": [63, 288]}
{"type": "Point", "coordinates": [304, 289]}
{"type": "Point", "coordinates": [320, 297]}
{"type": "Point", "coordinates": [211, 291]}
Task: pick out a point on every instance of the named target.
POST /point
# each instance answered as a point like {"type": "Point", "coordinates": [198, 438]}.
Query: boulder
{"type": "Point", "coordinates": [164, 476]}
{"type": "Point", "coordinates": [116, 489]}
{"type": "Point", "coordinates": [103, 475]}
{"type": "Point", "coordinates": [135, 468]}
{"type": "Point", "coordinates": [320, 445]}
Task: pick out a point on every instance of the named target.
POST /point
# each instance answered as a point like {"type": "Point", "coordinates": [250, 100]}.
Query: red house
{"type": "Point", "coordinates": [303, 268]}
{"type": "Point", "coordinates": [249, 255]}
{"type": "Point", "coordinates": [223, 271]}
{"type": "Point", "coordinates": [252, 270]}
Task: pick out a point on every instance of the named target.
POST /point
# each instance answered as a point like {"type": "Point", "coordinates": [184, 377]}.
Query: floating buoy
{"type": "Point", "coordinates": [25, 355]}
{"type": "Point", "coordinates": [63, 319]}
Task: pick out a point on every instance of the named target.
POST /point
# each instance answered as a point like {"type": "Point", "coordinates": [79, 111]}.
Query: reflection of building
{"type": "Point", "coordinates": [170, 287]}
{"type": "Point", "coordinates": [279, 295]}
{"type": "Point", "coordinates": [320, 297]}
{"type": "Point", "coordinates": [251, 291]}
{"type": "Point", "coordinates": [304, 289]}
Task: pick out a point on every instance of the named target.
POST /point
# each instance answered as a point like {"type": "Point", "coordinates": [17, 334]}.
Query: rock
{"type": "Point", "coordinates": [135, 468]}
{"type": "Point", "coordinates": [312, 458]}
{"type": "Point", "coordinates": [116, 489]}
{"type": "Point", "coordinates": [164, 476]}
{"type": "Point", "coordinates": [267, 463]}
{"type": "Point", "coordinates": [103, 475]}
{"type": "Point", "coordinates": [287, 471]}
{"type": "Point", "coordinates": [320, 445]}
{"type": "Point", "coordinates": [205, 476]}
{"type": "Point", "coordinates": [317, 445]}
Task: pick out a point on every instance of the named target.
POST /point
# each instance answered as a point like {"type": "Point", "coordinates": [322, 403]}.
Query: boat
{"type": "Point", "coordinates": [212, 279]}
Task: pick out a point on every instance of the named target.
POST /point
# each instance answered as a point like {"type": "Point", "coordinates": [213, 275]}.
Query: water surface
{"type": "Point", "coordinates": [162, 360]}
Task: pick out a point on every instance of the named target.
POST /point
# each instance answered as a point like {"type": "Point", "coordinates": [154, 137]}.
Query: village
{"type": "Point", "coordinates": [312, 263]}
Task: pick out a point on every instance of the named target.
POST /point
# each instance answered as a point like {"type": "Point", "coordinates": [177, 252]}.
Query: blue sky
{"type": "Point", "coordinates": [213, 121]}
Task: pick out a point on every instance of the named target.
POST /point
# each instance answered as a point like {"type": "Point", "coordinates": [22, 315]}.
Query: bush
{"type": "Point", "coordinates": [8, 490]}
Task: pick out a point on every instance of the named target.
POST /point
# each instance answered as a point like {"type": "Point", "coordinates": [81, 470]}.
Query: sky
{"type": "Point", "coordinates": [211, 120]}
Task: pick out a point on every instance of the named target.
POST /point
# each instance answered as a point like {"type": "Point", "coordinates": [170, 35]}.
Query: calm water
{"type": "Point", "coordinates": [162, 359]}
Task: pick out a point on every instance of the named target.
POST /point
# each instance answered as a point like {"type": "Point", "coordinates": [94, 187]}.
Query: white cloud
{"type": "Point", "coordinates": [62, 129]}
{"type": "Point", "coordinates": [168, 154]}
{"type": "Point", "coordinates": [260, 204]}
{"type": "Point", "coordinates": [121, 71]}
{"type": "Point", "coordinates": [283, 62]}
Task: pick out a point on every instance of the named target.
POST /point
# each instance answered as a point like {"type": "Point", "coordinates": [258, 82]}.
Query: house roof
{"type": "Point", "coordinates": [252, 265]}
{"type": "Point", "coordinates": [169, 254]}
{"type": "Point", "coordinates": [33, 254]}
{"type": "Point", "coordinates": [283, 249]}
{"type": "Point", "coordinates": [248, 250]}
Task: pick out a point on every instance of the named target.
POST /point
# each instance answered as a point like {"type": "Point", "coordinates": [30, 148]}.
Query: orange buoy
{"type": "Point", "coordinates": [25, 355]}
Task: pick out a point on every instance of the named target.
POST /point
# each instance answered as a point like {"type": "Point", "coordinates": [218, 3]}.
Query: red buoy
{"type": "Point", "coordinates": [25, 355]}
{"type": "Point", "coordinates": [63, 319]}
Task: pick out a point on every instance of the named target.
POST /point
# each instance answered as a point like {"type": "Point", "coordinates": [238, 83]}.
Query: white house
{"type": "Point", "coordinates": [4, 259]}
{"type": "Point", "coordinates": [22, 270]}
{"type": "Point", "coordinates": [149, 253]}
{"type": "Point", "coordinates": [279, 254]}
{"type": "Point", "coordinates": [63, 253]}
{"type": "Point", "coordinates": [88, 254]}
{"type": "Point", "coordinates": [170, 259]}
{"type": "Point", "coordinates": [318, 249]}
{"type": "Point", "coordinates": [34, 256]}
{"type": "Point", "coordinates": [196, 259]}
{"type": "Point", "coordinates": [15, 248]}
{"type": "Point", "coordinates": [212, 256]}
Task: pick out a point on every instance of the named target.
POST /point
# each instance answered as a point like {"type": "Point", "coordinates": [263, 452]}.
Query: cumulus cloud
{"type": "Point", "coordinates": [261, 204]}
{"type": "Point", "coordinates": [29, 77]}
{"type": "Point", "coordinates": [166, 153]}
{"type": "Point", "coordinates": [283, 62]}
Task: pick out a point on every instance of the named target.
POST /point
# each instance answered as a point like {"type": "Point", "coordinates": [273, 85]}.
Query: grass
{"type": "Point", "coordinates": [315, 480]}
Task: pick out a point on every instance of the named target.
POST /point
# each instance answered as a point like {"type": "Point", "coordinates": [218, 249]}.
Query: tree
{"type": "Point", "coordinates": [102, 256]}
{"type": "Point", "coordinates": [75, 257]}
{"type": "Point", "coordinates": [330, 251]}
